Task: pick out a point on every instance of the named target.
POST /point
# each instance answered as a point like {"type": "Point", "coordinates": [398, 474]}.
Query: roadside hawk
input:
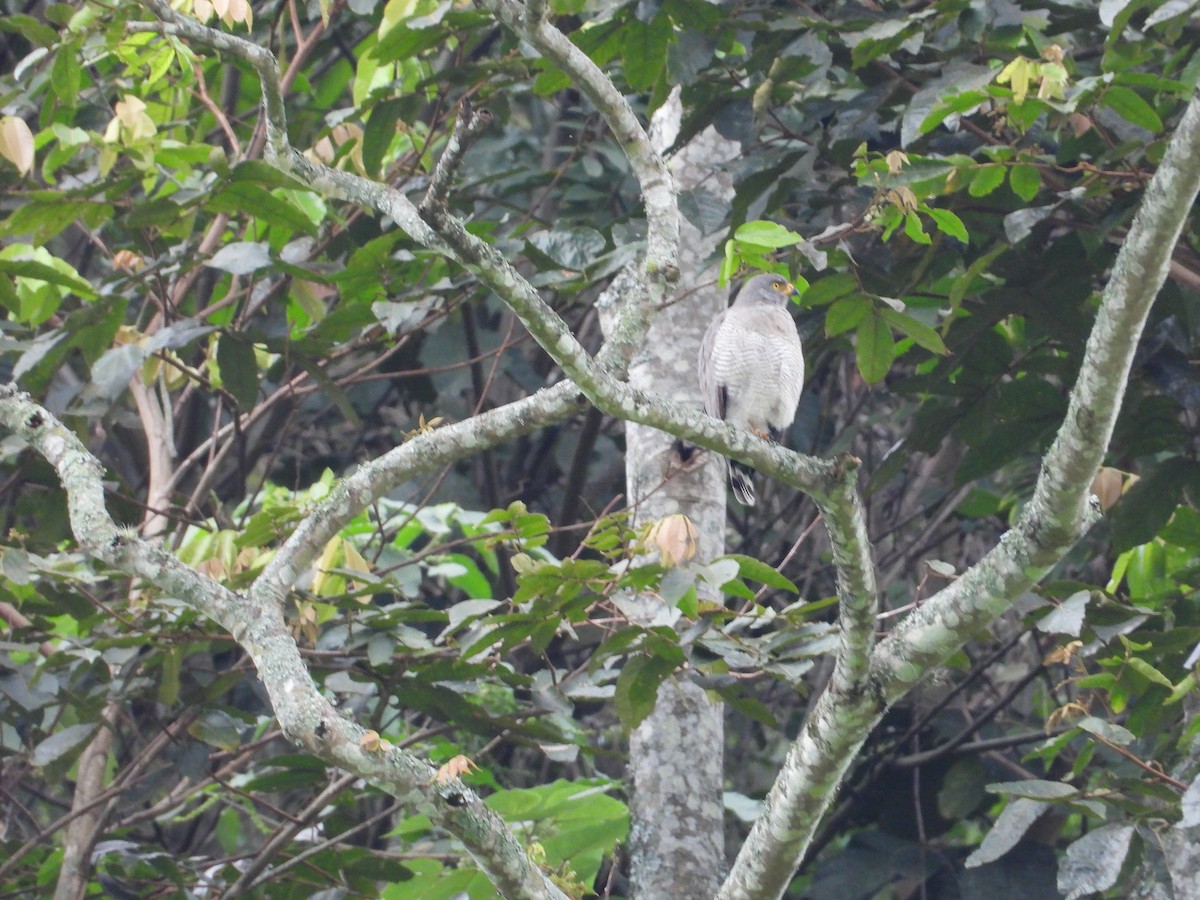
{"type": "Point", "coordinates": [752, 368]}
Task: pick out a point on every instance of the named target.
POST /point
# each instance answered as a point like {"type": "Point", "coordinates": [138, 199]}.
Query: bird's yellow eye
{"type": "Point", "coordinates": [781, 286]}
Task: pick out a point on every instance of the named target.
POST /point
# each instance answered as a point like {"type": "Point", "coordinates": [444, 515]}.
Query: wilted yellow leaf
{"type": "Point", "coordinates": [16, 143]}
{"type": "Point", "coordinates": [373, 743]}
{"type": "Point", "coordinates": [455, 767]}
{"type": "Point", "coordinates": [896, 161]}
{"type": "Point", "coordinates": [675, 538]}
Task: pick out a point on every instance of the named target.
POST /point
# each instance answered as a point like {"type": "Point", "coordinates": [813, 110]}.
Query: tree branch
{"type": "Point", "coordinates": [468, 126]}
{"type": "Point", "coordinates": [306, 717]}
{"type": "Point", "coordinates": [1056, 516]}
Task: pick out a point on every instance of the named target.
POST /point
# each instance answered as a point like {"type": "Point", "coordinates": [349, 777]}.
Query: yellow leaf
{"type": "Point", "coordinates": [896, 161]}
{"type": "Point", "coordinates": [324, 566]}
{"type": "Point", "coordinates": [373, 743]}
{"type": "Point", "coordinates": [16, 143]}
{"type": "Point", "coordinates": [455, 767]}
{"type": "Point", "coordinates": [675, 538]}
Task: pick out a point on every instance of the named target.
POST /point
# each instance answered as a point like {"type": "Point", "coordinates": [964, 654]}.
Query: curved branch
{"type": "Point", "coordinates": [660, 266]}
{"type": "Point", "coordinates": [1060, 510]}
{"type": "Point", "coordinates": [598, 379]}
{"type": "Point", "coordinates": [307, 718]}
{"type": "Point", "coordinates": [422, 453]}
{"type": "Point", "coordinates": [1057, 515]}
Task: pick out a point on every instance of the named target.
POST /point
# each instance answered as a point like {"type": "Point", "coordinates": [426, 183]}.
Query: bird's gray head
{"type": "Point", "coordinates": [765, 289]}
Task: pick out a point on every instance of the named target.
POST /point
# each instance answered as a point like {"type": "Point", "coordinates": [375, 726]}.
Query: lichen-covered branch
{"type": "Point", "coordinates": [422, 453]}
{"type": "Point", "coordinates": [468, 126]}
{"type": "Point", "coordinates": [845, 521]}
{"type": "Point", "coordinates": [1057, 514]}
{"type": "Point", "coordinates": [307, 718]}
{"type": "Point", "coordinates": [660, 267]}
{"type": "Point", "coordinates": [1060, 509]}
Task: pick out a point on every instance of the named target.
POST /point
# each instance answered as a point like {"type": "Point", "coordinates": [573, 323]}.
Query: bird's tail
{"type": "Point", "coordinates": [741, 479]}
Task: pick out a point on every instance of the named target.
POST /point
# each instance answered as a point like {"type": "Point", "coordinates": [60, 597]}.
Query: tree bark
{"type": "Point", "coordinates": [676, 760]}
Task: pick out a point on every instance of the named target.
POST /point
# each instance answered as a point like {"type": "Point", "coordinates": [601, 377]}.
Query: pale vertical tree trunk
{"type": "Point", "coordinates": [676, 760]}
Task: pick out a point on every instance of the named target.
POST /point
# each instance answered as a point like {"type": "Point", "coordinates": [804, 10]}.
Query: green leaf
{"type": "Point", "coordinates": [962, 789]}
{"type": "Point", "coordinates": [32, 29]}
{"type": "Point", "coordinates": [985, 180]}
{"type": "Point", "coordinates": [749, 567]}
{"type": "Point", "coordinates": [1150, 673]}
{"type": "Point", "coordinates": [645, 50]}
{"type": "Point", "coordinates": [1034, 789]}
{"type": "Point", "coordinates": [216, 728]}
{"type": "Point", "coordinates": [239, 370]}
{"type": "Point", "coordinates": [921, 333]}
{"type": "Point", "coordinates": [1025, 181]}
{"type": "Point", "coordinates": [44, 219]}
{"type": "Point", "coordinates": [637, 688]}
{"type": "Point", "coordinates": [1130, 106]}
{"type": "Point", "coordinates": [64, 74]}
{"type": "Point", "coordinates": [61, 742]}
{"type": "Point", "coordinates": [846, 314]}
{"type": "Point", "coordinates": [948, 223]}
{"type": "Point", "coordinates": [251, 200]}
{"type": "Point", "coordinates": [915, 230]}
{"type": "Point", "coordinates": [1147, 506]}
{"type": "Point", "coordinates": [766, 234]}
{"type": "Point", "coordinates": [830, 288]}
{"type": "Point", "coordinates": [29, 268]}
{"type": "Point", "coordinates": [875, 349]}
{"type": "Point", "coordinates": [748, 706]}
{"type": "Point", "coordinates": [948, 106]}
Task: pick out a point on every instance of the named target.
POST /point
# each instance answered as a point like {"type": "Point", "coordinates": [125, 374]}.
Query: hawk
{"type": "Point", "coordinates": [752, 368]}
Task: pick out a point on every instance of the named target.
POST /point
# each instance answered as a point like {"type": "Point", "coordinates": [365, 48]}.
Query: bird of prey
{"type": "Point", "coordinates": [752, 368]}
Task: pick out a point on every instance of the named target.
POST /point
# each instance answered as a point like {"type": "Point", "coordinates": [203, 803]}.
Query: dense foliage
{"type": "Point", "coordinates": [949, 179]}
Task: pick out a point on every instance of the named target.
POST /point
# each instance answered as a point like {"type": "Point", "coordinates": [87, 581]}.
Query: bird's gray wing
{"type": "Point", "coordinates": [791, 368]}
{"type": "Point", "coordinates": [711, 391]}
